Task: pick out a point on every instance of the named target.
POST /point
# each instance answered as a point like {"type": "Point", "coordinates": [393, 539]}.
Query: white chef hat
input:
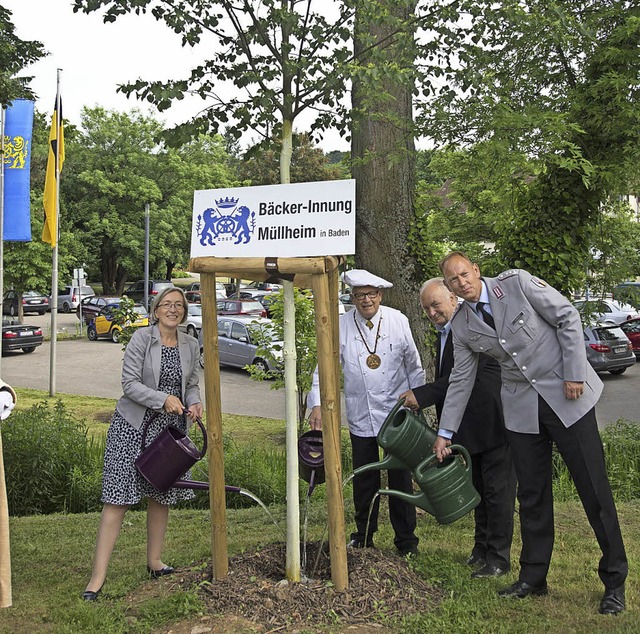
{"type": "Point", "coordinates": [360, 277]}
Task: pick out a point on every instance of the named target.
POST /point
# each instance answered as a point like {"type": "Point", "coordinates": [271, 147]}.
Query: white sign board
{"type": "Point", "coordinates": [296, 220]}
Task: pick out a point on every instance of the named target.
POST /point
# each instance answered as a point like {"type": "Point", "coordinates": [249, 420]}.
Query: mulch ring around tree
{"type": "Point", "coordinates": [381, 586]}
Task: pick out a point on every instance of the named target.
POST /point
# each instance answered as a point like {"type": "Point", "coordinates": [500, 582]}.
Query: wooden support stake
{"type": "Point", "coordinates": [217, 499]}
{"type": "Point", "coordinates": [326, 312]}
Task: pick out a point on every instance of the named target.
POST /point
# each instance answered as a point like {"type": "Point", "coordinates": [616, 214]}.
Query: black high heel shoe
{"type": "Point", "coordinates": [92, 595]}
{"type": "Point", "coordinates": [163, 572]}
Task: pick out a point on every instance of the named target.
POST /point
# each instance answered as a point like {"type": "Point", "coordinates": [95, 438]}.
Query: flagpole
{"type": "Point", "coordinates": [54, 263]}
{"type": "Point", "coordinates": [2, 113]}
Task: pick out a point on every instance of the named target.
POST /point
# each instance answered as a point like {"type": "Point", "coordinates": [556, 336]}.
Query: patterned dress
{"type": "Point", "coordinates": [121, 482]}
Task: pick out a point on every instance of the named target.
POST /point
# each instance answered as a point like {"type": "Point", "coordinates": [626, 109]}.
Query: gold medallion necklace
{"type": "Point", "coordinates": [373, 360]}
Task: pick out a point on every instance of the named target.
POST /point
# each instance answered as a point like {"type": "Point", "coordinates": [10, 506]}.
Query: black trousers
{"type": "Point", "coordinates": [581, 449]}
{"type": "Point", "coordinates": [494, 478]}
{"type": "Point", "coordinates": [365, 486]}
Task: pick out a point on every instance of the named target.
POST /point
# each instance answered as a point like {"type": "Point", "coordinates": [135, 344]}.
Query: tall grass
{"type": "Point", "coordinates": [54, 465]}
{"type": "Point", "coordinates": [621, 443]}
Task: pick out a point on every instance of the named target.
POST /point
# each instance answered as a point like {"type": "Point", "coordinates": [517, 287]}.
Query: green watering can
{"type": "Point", "coordinates": [406, 439]}
{"type": "Point", "coordinates": [446, 489]}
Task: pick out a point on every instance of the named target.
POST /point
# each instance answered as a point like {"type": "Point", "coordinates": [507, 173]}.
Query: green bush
{"type": "Point", "coordinates": [46, 456]}
{"type": "Point", "coordinates": [621, 443]}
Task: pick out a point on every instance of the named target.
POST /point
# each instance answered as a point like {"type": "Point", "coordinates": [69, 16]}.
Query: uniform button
{"type": "Point", "coordinates": [521, 321]}
{"type": "Point", "coordinates": [524, 367]}
{"type": "Point", "coordinates": [514, 354]}
{"type": "Point", "coordinates": [503, 341]}
{"type": "Point", "coordinates": [481, 348]}
{"type": "Point", "coordinates": [533, 380]}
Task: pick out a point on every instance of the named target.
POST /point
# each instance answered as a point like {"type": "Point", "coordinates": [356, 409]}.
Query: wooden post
{"type": "Point", "coordinates": [217, 499]}
{"type": "Point", "coordinates": [330, 404]}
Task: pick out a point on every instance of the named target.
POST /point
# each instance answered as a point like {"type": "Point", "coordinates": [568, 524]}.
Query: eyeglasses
{"type": "Point", "coordinates": [177, 306]}
{"type": "Point", "coordinates": [370, 295]}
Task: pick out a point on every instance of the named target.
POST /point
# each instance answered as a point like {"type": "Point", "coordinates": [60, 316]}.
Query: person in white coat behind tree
{"type": "Point", "coordinates": [7, 401]}
{"type": "Point", "coordinates": [380, 360]}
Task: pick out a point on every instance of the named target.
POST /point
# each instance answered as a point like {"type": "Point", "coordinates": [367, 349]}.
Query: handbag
{"type": "Point", "coordinates": [171, 454]}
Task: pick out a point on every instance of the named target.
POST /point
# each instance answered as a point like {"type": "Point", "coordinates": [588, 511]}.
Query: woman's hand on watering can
{"type": "Point", "coordinates": [410, 401]}
{"type": "Point", "coordinates": [315, 418]}
{"type": "Point", "coordinates": [195, 411]}
{"type": "Point", "coordinates": [441, 448]}
{"type": "Point", "coordinates": [173, 405]}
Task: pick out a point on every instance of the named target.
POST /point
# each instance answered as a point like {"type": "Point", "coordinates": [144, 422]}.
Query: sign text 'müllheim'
{"type": "Point", "coordinates": [283, 232]}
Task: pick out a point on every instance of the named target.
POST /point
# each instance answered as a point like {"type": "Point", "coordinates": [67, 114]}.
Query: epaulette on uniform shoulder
{"type": "Point", "coordinates": [505, 274]}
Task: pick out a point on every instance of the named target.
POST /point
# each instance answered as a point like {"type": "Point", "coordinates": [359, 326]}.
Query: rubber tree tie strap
{"type": "Point", "coordinates": [271, 267]}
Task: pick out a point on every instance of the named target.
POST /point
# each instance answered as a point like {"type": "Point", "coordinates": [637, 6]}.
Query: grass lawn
{"type": "Point", "coordinates": [51, 560]}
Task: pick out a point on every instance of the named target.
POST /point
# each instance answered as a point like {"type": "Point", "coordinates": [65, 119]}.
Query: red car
{"type": "Point", "coordinates": [631, 328]}
{"type": "Point", "coordinates": [232, 306]}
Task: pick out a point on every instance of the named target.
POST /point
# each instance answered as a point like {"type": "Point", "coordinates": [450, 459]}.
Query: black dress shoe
{"type": "Point", "coordinates": [358, 543]}
{"type": "Point", "coordinates": [163, 572]}
{"type": "Point", "coordinates": [521, 589]}
{"type": "Point", "coordinates": [476, 560]}
{"type": "Point", "coordinates": [612, 600]}
{"type": "Point", "coordinates": [91, 595]}
{"type": "Point", "coordinates": [489, 570]}
{"type": "Point", "coordinates": [408, 551]}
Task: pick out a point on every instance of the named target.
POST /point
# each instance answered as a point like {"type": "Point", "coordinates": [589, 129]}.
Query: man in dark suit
{"type": "Point", "coordinates": [482, 433]}
{"type": "Point", "coordinates": [549, 392]}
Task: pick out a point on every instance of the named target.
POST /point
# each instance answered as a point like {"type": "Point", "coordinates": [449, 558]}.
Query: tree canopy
{"type": "Point", "coordinates": [15, 54]}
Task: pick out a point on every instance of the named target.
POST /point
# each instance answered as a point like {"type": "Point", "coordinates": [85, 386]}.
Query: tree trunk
{"type": "Point", "coordinates": [383, 154]}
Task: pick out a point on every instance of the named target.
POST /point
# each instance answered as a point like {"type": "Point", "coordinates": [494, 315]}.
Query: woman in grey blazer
{"type": "Point", "coordinates": [159, 383]}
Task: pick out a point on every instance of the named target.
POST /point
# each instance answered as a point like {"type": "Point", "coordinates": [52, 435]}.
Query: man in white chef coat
{"type": "Point", "coordinates": [380, 361]}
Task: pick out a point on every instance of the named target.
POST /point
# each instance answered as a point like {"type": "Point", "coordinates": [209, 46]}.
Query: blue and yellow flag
{"type": "Point", "coordinates": [54, 167]}
{"type": "Point", "coordinates": [17, 170]}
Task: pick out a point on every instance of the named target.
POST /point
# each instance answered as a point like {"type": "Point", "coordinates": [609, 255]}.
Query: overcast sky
{"type": "Point", "coordinates": [96, 57]}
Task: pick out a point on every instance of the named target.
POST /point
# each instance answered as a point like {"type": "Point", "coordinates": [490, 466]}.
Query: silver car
{"type": "Point", "coordinates": [192, 325]}
{"type": "Point", "coordinates": [236, 343]}
{"type": "Point", "coordinates": [608, 349]}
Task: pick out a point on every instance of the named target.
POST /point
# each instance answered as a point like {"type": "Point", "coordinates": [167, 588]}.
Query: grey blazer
{"type": "Point", "coordinates": [141, 374]}
{"type": "Point", "coordinates": [539, 344]}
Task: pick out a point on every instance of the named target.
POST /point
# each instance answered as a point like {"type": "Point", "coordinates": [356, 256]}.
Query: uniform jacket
{"type": "Point", "coordinates": [371, 394]}
{"type": "Point", "coordinates": [141, 374]}
{"type": "Point", "coordinates": [482, 426]}
{"type": "Point", "coordinates": [539, 344]}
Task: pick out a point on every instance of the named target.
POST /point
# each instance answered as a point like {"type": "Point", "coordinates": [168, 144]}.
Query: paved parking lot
{"type": "Point", "coordinates": [93, 368]}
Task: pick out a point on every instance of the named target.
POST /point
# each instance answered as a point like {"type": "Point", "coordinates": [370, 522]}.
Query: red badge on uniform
{"type": "Point", "coordinates": [498, 292]}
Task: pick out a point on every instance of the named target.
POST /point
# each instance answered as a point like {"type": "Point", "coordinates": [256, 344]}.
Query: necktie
{"type": "Point", "coordinates": [368, 324]}
{"type": "Point", "coordinates": [485, 314]}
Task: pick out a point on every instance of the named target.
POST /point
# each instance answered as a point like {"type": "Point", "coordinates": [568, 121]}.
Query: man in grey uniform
{"type": "Point", "coordinates": [549, 392]}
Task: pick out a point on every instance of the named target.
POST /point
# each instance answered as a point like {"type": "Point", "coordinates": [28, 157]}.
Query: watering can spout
{"type": "Point", "coordinates": [388, 462]}
{"type": "Point", "coordinates": [417, 499]}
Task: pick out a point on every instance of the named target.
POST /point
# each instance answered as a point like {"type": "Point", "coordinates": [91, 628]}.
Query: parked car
{"type": "Point", "coordinates": [631, 328]}
{"type": "Point", "coordinates": [606, 311]}
{"type": "Point", "coordinates": [608, 349]}
{"type": "Point", "coordinates": [193, 292]}
{"type": "Point", "coordinates": [347, 301]}
{"type": "Point", "coordinates": [104, 326]}
{"type": "Point", "coordinates": [628, 292]}
{"type": "Point", "coordinates": [16, 336]}
{"type": "Point", "coordinates": [236, 343]}
{"type": "Point", "coordinates": [135, 291]}
{"type": "Point", "coordinates": [193, 324]}
{"type": "Point", "coordinates": [91, 306]}
{"type": "Point", "coordinates": [232, 306]}
{"type": "Point", "coordinates": [32, 302]}
{"type": "Point", "coordinates": [269, 287]}
{"type": "Point", "coordinates": [70, 296]}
